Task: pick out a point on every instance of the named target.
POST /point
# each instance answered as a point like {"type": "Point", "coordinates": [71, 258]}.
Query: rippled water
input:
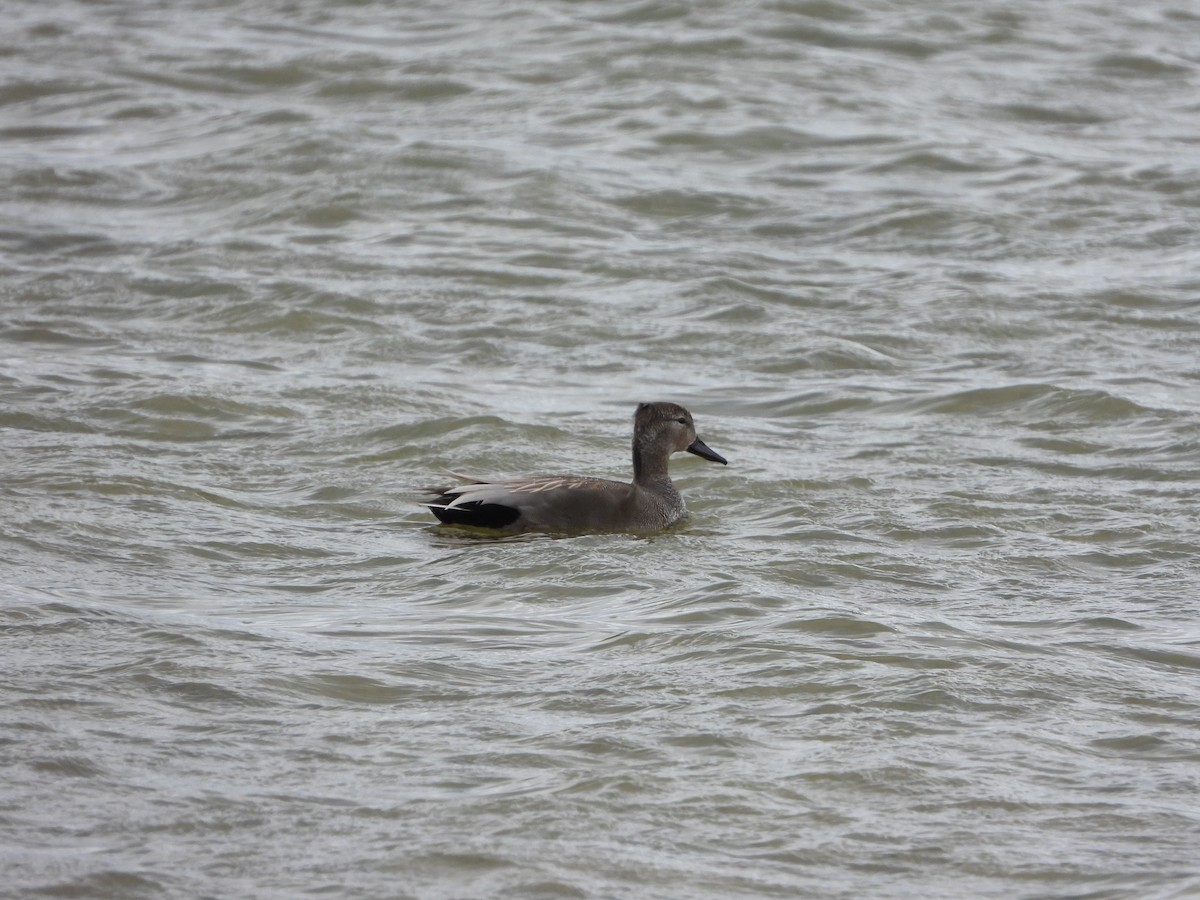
{"type": "Point", "coordinates": [925, 273]}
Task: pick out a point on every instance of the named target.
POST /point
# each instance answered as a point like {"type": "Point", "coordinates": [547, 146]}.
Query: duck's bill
{"type": "Point", "coordinates": [702, 450]}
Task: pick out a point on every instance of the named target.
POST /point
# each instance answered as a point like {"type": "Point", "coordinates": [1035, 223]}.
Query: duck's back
{"type": "Point", "coordinates": [562, 503]}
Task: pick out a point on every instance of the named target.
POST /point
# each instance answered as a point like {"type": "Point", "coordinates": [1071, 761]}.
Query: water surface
{"type": "Point", "coordinates": [925, 274]}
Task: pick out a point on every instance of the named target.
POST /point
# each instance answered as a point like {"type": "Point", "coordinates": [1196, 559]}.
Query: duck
{"type": "Point", "coordinates": [574, 504]}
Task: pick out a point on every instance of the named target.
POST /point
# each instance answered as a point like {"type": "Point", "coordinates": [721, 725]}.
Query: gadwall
{"type": "Point", "coordinates": [574, 503]}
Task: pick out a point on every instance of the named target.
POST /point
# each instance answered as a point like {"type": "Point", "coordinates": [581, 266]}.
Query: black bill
{"type": "Point", "coordinates": [702, 450]}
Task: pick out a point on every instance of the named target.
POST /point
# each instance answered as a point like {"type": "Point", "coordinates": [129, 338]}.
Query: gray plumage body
{"type": "Point", "coordinates": [572, 503]}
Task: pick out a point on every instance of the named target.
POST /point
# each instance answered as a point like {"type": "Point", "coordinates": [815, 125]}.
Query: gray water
{"type": "Point", "coordinates": [925, 273]}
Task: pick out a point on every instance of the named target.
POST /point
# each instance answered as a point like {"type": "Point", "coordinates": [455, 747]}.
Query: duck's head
{"type": "Point", "coordinates": [670, 427]}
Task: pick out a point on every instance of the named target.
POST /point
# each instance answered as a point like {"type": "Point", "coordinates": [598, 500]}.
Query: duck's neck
{"type": "Point", "coordinates": [649, 468]}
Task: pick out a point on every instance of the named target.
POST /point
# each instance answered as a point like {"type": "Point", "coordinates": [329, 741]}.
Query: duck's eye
{"type": "Point", "coordinates": [681, 420]}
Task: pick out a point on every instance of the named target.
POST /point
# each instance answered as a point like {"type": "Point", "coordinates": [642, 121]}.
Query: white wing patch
{"type": "Point", "coordinates": [502, 492]}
